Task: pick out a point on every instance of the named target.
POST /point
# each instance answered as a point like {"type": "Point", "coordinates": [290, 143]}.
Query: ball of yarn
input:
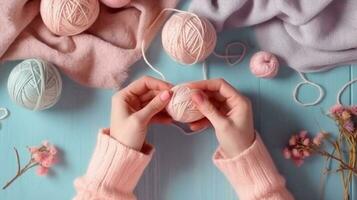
{"type": "Point", "coordinates": [264, 65]}
{"type": "Point", "coordinates": [69, 17]}
{"type": "Point", "coordinates": [188, 38]}
{"type": "Point", "coordinates": [35, 84]}
{"type": "Point", "coordinates": [115, 3]}
{"type": "Point", "coordinates": [181, 108]}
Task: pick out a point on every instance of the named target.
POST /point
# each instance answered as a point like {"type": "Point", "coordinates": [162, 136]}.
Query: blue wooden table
{"type": "Point", "coordinates": [181, 167]}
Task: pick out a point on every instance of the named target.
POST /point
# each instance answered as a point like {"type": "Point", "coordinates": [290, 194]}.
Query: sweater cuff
{"type": "Point", "coordinates": [252, 173]}
{"type": "Point", "coordinates": [115, 167]}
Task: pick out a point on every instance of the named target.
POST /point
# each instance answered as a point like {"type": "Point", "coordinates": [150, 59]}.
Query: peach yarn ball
{"type": "Point", "coordinates": [264, 65]}
{"type": "Point", "coordinates": [69, 17]}
{"type": "Point", "coordinates": [115, 3]}
{"type": "Point", "coordinates": [181, 108]}
{"type": "Point", "coordinates": [188, 38]}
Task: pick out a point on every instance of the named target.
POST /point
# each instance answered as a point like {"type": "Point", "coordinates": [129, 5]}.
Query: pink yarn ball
{"type": "Point", "coordinates": [181, 108]}
{"type": "Point", "coordinates": [69, 17]}
{"type": "Point", "coordinates": [188, 38]}
{"type": "Point", "coordinates": [264, 65]}
{"type": "Point", "coordinates": [115, 3]}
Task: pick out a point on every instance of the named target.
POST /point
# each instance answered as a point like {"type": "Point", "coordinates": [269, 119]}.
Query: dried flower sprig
{"type": "Point", "coordinates": [43, 156]}
{"type": "Point", "coordinates": [302, 146]}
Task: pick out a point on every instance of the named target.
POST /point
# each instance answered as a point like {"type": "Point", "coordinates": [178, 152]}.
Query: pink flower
{"type": "Point", "coordinates": [296, 153]}
{"type": "Point", "coordinates": [345, 115]}
{"type": "Point", "coordinates": [45, 155]}
{"type": "Point", "coordinates": [353, 110]}
{"type": "Point", "coordinates": [287, 153]}
{"type": "Point", "coordinates": [349, 126]}
{"type": "Point", "coordinates": [53, 150]}
{"type": "Point", "coordinates": [318, 138]}
{"type": "Point", "coordinates": [42, 171]}
{"type": "Point", "coordinates": [303, 134]}
{"type": "Point", "coordinates": [299, 148]}
{"type": "Point", "coordinates": [292, 140]}
{"type": "Point", "coordinates": [306, 153]}
{"type": "Point", "coordinates": [49, 161]}
{"type": "Point", "coordinates": [336, 109]}
{"type": "Point", "coordinates": [306, 141]}
{"type": "Point", "coordinates": [33, 150]}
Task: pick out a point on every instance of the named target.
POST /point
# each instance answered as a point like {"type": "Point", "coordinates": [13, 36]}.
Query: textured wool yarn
{"type": "Point", "coordinates": [69, 17]}
{"type": "Point", "coordinates": [187, 38]}
{"type": "Point", "coordinates": [181, 108]}
{"type": "Point", "coordinates": [115, 3]}
{"type": "Point", "coordinates": [35, 84]}
{"type": "Point", "coordinates": [264, 65]}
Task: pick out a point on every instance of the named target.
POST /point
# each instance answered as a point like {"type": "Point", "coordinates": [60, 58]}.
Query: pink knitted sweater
{"type": "Point", "coordinates": [115, 170]}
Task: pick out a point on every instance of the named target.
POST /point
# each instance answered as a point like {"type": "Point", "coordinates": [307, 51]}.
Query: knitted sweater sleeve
{"type": "Point", "coordinates": [113, 172]}
{"type": "Point", "coordinates": [253, 174]}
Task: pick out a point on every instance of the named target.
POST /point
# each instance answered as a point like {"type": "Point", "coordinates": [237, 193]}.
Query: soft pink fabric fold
{"type": "Point", "coordinates": [99, 57]}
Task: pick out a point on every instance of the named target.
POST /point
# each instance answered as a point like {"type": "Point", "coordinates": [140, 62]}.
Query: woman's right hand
{"type": "Point", "coordinates": [228, 111]}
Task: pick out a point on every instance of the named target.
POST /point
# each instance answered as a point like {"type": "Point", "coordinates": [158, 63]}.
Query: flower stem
{"type": "Point", "coordinates": [20, 171]}
{"type": "Point", "coordinates": [343, 164]}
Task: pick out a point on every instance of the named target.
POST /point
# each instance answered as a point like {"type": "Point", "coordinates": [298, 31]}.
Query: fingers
{"type": "Point", "coordinates": [156, 105]}
{"type": "Point", "coordinates": [199, 125]}
{"type": "Point", "coordinates": [207, 108]}
{"type": "Point", "coordinates": [161, 118]}
{"type": "Point", "coordinates": [215, 85]}
{"type": "Point", "coordinates": [145, 84]}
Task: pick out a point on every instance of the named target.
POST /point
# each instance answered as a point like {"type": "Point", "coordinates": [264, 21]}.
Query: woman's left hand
{"type": "Point", "coordinates": [135, 107]}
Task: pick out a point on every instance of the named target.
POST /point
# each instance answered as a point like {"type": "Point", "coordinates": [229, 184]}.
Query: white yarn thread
{"type": "Point", "coordinates": [204, 71]}
{"type": "Point", "coordinates": [305, 81]}
{"type": "Point", "coordinates": [227, 56]}
{"type": "Point", "coordinates": [4, 113]}
{"type": "Point", "coordinates": [340, 92]}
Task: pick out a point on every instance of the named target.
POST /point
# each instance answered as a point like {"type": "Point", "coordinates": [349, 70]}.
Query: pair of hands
{"type": "Point", "coordinates": [143, 102]}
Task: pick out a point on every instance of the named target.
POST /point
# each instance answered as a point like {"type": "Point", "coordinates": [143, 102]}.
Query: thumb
{"type": "Point", "coordinates": [207, 108]}
{"type": "Point", "coordinates": [156, 105]}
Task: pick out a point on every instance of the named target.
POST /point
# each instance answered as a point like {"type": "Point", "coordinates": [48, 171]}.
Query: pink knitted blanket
{"type": "Point", "coordinates": [99, 57]}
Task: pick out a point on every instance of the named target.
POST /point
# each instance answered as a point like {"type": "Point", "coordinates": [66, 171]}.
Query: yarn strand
{"type": "Point", "coordinates": [36, 82]}
{"type": "Point", "coordinates": [148, 63]}
{"type": "Point", "coordinates": [143, 44]}
{"type": "Point", "coordinates": [227, 57]}
{"type": "Point", "coordinates": [4, 113]}
{"type": "Point", "coordinates": [340, 92]}
{"type": "Point", "coordinates": [306, 81]}
{"type": "Point", "coordinates": [204, 71]}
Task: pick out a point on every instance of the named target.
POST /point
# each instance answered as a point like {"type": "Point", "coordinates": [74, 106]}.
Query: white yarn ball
{"type": "Point", "coordinates": [181, 108]}
{"type": "Point", "coordinates": [35, 84]}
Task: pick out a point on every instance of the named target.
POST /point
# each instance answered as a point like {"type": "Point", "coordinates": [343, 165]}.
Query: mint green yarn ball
{"type": "Point", "coordinates": [35, 84]}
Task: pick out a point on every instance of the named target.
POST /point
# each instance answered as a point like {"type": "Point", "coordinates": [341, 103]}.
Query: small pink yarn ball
{"type": "Point", "coordinates": [264, 65]}
{"type": "Point", "coordinates": [69, 17]}
{"type": "Point", "coordinates": [115, 3]}
{"type": "Point", "coordinates": [181, 108]}
{"type": "Point", "coordinates": [188, 38]}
